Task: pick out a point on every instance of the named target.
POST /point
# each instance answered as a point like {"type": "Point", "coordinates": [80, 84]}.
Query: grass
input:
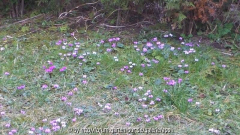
{"type": "Point", "coordinates": [101, 90]}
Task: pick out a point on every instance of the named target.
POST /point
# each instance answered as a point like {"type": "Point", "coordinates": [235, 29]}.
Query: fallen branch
{"type": "Point", "coordinates": [110, 26]}
{"type": "Point", "coordinates": [22, 21]}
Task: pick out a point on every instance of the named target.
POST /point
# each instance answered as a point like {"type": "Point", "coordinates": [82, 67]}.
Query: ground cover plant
{"type": "Point", "coordinates": [55, 83]}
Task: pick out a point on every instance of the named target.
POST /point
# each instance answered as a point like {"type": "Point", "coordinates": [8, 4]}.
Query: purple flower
{"type": "Point", "coordinates": [44, 86]}
{"type": "Point", "coordinates": [14, 131]}
{"type": "Point", "coordinates": [56, 86]}
{"type": "Point", "coordinates": [148, 120]}
{"type": "Point", "coordinates": [110, 40]}
{"type": "Point", "coordinates": [23, 112]}
{"type": "Point", "coordinates": [179, 80]}
{"type": "Point", "coordinates": [158, 99]}
{"type": "Point", "coordinates": [102, 41]}
{"type": "Point", "coordinates": [64, 98]}
{"type": "Point", "coordinates": [166, 78]}
{"type": "Point", "coordinates": [70, 93]}
{"type": "Point", "coordinates": [63, 69]}
{"type": "Point", "coordinates": [109, 50]}
{"type": "Point", "coordinates": [180, 38]}
{"type": "Point", "coordinates": [140, 74]}
{"type": "Point", "coordinates": [160, 116]}
{"type": "Point", "coordinates": [224, 66]}
{"type": "Point", "coordinates": [149, 44]}
{"type": "Point", "coordinates": [84, 82]}
{"type": "Point", "coordinates": [139, 119]}
{"type": "Point", "coordinates": [21, 87]}
{"type": "Point", "coordinates": [74, 119]}
{"type": "Point", "coordinates": [47, 130]}
{"type": "Point", "coordinates": [114, 45]}
{"type": "Point", "coordinates": [155, 118]}
{"type": "Point", "coordinates": [8, 125]}
{"type": "Point", "coordinates": [6, 73]}
{"type": "Point", "coordinates": [128, 123]}
{"type": "Point", "coordinates": [155, 39]}
{"type": "Point", "coordinates": [190, 100]}
{"type": "Point", "coordinates": [186, 72]}
{"type": "Point", "coordinates": [213, 63]}
{"type": "Point", "coordinates": [165, 91]}
{"type": "Point", "coordinates": [144, 49]}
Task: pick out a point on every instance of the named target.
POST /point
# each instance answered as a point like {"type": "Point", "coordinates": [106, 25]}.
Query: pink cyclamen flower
{"type": "Point", "coordinates": [145, 50]}
{"type": "Point", "coordinates": [21, 87]}
{"type": "Point", "coordinates": [47, 130]}
{"type": "Point", "coordinates": [8, 125]}
{"type": "Point", "coordinates": [74, 119]}
{"type": "Point", "coordinates": [7, 73]}
{"type": "Point", "coordinates": [63, 69]}
{"type": "Point", "coordinates": [190, 100]}
{"type": "Point", "coordinates": [44, 86]}
{"type": "Point", "coordinates": [155, 118]}
{"type": "Point", "coordinates": [63, 98]}
{"type": "Point", "coordinates": [165, 91]}
{"type": "Point", "coordinates": [70, 93]}
{"type": "Point", "coordinates": [179, 80]}
{"type": "Point", "coordinates": [109, 50]}
{"type": "Point", "coordinates": [84, 82]}
{"type": "Point", "coordinates": [128, 123]}
{"type": "Point", "coordinates": [14, 130]}
{"type": "Point", "coordinates": [56, 86]}
{"type": "Point", "coordinates": [114, 45]}
{"type": "Point", "coordinates": [23, 112]}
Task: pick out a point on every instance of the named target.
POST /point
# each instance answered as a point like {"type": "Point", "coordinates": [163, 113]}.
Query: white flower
{"type": "Point", "coordinates": [196, 59]}
{"type": "Point", "coordinates": [165, 35]}
{"type": "Point", "coordinates": [77, 46]}
{"type": "Point", "coordinates": [116, 59]}
{"type": "Point", "coordinates": [182, 43]}
{"type": "Point", "coordinates": [217, 110]}
{"type": "Point", "coordinates": [63, 47]}
{"type": "Point", "coordinates": [130, 63]}
{"type": "Point", "coordinates": [94, 53]}
{"type": "Point", "coordinates": [170, 35]}
{"type": "Point", "coordinates": [58, 120]}
{"type": "Point", "coordinates": [197, 103]}
{"type": "Point", "coordinates": [2, 48]}
{"type": "Point", "coordinates": [75, 49]}
{"type": "Point", "coordinates": [30, 132]}
{"type": "Point", "coordinates": [60, 54]}
{"type": "Point", "coordinates": [172, 48]}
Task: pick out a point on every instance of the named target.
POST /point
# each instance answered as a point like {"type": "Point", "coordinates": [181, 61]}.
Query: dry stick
{"type": "Point", "coordinates": [22, 21]}
{"type": "Point", "coordinates": [110, 26]}
{"type": "Point", "coordinates": [64, 14]}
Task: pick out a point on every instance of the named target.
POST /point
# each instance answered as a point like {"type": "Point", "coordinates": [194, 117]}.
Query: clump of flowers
{"type": "Point", "coordinates": [78, 111]}
{"type": "Point", "coordinates": [129, 68]}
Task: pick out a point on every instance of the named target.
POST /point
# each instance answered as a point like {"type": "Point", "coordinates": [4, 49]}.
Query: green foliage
{"type": "Point", "coordinates": [221, 31]}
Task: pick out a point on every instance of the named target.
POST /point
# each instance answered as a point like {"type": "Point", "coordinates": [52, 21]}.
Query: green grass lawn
{"type": "Point", "coordinates": [56, 84]}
